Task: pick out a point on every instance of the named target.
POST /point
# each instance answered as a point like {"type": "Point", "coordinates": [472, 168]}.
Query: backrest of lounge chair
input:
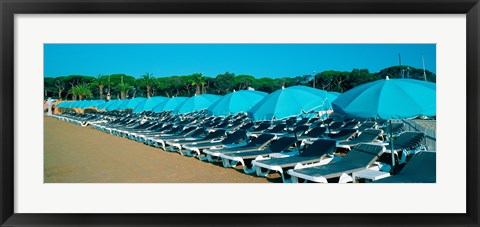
{"type": "Point", "coordinates": [311, 120]}
{"type": "Point", "coordinates": [316, 132]}
{"type": "Point", "coordinates": [319, 148]}
{"type": "Point", "coordinates": [151, 126]}
{"type": "Point", "coordinates": [262, 126]}
{"type": "Point", "coordinates": [222, 124]}
{"type": "Point", "coordinates": [336, 125]}
{"type": "Point", "coordinates": [351, 124]}
{"type": "Point", "coordinates": [369, 135]}
{"type": "Point", "coordinates": [363, 155]}
{"type": "Point", "coordinates": [381, 121]}
{"type": "Point", "coordinates": [174, 130]}
{"type": "Point", "coordinates": [299, 130]}
{"type": "Point", "coordinates": [409, 139]}
{"type": "Point", "coordinates": [422, 167]}
{"type": "Point", "coordinates": [235, 137]}
{"type": "Point", "coordinates": [215, 134]}
{"type": "Point", "coordinates": [302, 121]}
{"type": "Point", "coordinates": [247, 126]}
{"type": "Point", "coordinates": [198, 132]}
{"type": "Point", "coordinates": [348, 119]}
{"type": "Point", "coordinates": [235, 123]}
{"type": "Point", "coordinates": [344, 134]}
{"type": "Point", "coordinates": [166, 127]}
{"type": "Point", "coordinates": [148, 125]}
{"type": "Point", "coordinates": [209, 123]}
{"type": "Point", "coordinates": [328, 121]}
{"type": "Point", "coordinates": [396, 128]}
{"type": "Point", "coordinates": [291, 122]}
{"type": "Point", "coordinates": [281, 144]}
{"type": "Point", "coordinates": [187, 130]}
{"type": "Point", "coordinates": [366, 125]}
{"type": "Point", "coordinates": [278, 128]}
{"type": "Point", "coordinates": [276, 122]}
{"type": "Point", "coordinates": [262, 140]}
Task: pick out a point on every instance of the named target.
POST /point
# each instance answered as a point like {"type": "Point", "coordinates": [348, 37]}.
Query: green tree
{"type": "Point", "coordinates": [116, 79]}
{"type": "Point", "coordinates": [60, 87]}
{"type": "Point", "coordinates": [414, 73]}
{"type": "Point", "coordinates": [148, 81]}
{"type": "Point", "coordinates": [225, 82]}
{"type": "Point", "coordinates": [81, 90]}
{"type": "Point", "coordinates": [269, 85]}
{"type": "Point", "coordinates": [209, 82]}
{"type": "Point", "coordinates": [49, 87]}
{"type": "Point", "coordinates": [100, 83]}
{"type": "Point", "coordinates": [198, 81]}
{"type": "Point", "coordinates": [358, 77]}
{"type": "Point", "coordinates": [187, 84]}
{"type": "Point", "coordinates": [123, 88]}
{"type": "Point", "coordinates": [242, 82]}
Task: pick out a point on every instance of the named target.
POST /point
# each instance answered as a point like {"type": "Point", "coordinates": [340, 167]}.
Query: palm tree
{"type": "Point", "coordinates": [109, 85]}
{"type": "Point", "coordinates": [100, 82]}
{"type": "Point", "coordinates": [81, 90]}
{"type": "Point", "coordinates": [123, 88]}
{"type": "Point", "coordinates": [73, 91]}
{"type": "Point", "coordinates": [199, 81]}
{"type": "Point", "coordinates": [148, 81]}
{"type": "Point", "coordinates": [203, 85]}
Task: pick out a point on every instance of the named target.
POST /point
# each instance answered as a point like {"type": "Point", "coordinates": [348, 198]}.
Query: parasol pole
{"type": "Point", "coordinates": [391, 147]}
{"type": "Point", "coordinates": [424, 73]}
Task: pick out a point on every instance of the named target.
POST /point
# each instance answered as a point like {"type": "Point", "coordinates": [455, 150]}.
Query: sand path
{"type": "Point", "coordinates": [75, 154]}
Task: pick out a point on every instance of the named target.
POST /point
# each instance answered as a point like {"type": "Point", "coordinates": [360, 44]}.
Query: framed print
{"type": "Point", "coordinates": [121, 75]}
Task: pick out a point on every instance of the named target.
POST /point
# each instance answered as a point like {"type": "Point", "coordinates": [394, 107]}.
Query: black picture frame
{"type": "Point", "coordinates": [10, 7]}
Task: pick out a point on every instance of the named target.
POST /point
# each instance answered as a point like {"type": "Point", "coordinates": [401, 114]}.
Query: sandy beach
{"type": "Point", "coordinates": [75, 154]}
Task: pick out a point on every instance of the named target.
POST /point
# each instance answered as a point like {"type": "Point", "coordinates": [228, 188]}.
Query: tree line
{"type": "Point", "coordinates": [121, 86]}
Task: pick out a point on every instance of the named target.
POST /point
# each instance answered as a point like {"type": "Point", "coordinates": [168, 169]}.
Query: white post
{"type": "Point", "coordinates": [49, 102]}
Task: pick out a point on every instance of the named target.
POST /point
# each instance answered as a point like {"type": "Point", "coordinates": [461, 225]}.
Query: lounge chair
{"type": "Point", "coordinates": [247, 126]}
{"type": "Point", "coordinates": [343, 135]}
{"type": "Point", "coordinates": [302, 121]}
{"type": "Point", "coordinates": [312, 134]}
{"type": "Point", "coordinates": [276, 130]}
{"type": "Point", "coordinates": [211, 137]}
{"type": "Point", "coordinates": [335, 126]}
{"type": "Point", "coordinates": [315, 132]}
{"type": "Point", "coordinates": [259, 129]}
{"type": "Point", "coordinates": [159, 140]}
{"type": "Point", "coordinates": [408, 140]}
{"type": "Point", "coordinates": [397, 129]}
{"type": "Point", "coordinates": [408, 143]}
{"type": "Point", "coordinates": [232, 127]}
{"type": "Point", "coordinates": [360, 157]}
{"type": "Point", "coordinates": [314, 153]}
{"type": "Point", "coordinates": [245, 158]}
{"type": "Point", "coordinates": [367, 136]}
{"type": "Point", "coordinates": [145, 128]}
{"type": "Point", "coordinates": [138, 126]}
{"type": "Point", "coordinates": [168, 129]}
{"type": "Point", "coordinates": [420, 169]}
{"type": "Point", "coordinates": [296, 132]}
{"type": "Point", "coordinates": [367, 125]}
{"type": "Point", "coordinates": [258, 143]}
{"type": "Point", "coordinates": [235, 139]}
{"type": "Point", "coordinates": [351, 125]}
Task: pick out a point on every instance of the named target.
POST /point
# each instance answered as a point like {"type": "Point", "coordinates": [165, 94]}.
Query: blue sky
{"type": "Point", "coordinates": [259, 60]}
